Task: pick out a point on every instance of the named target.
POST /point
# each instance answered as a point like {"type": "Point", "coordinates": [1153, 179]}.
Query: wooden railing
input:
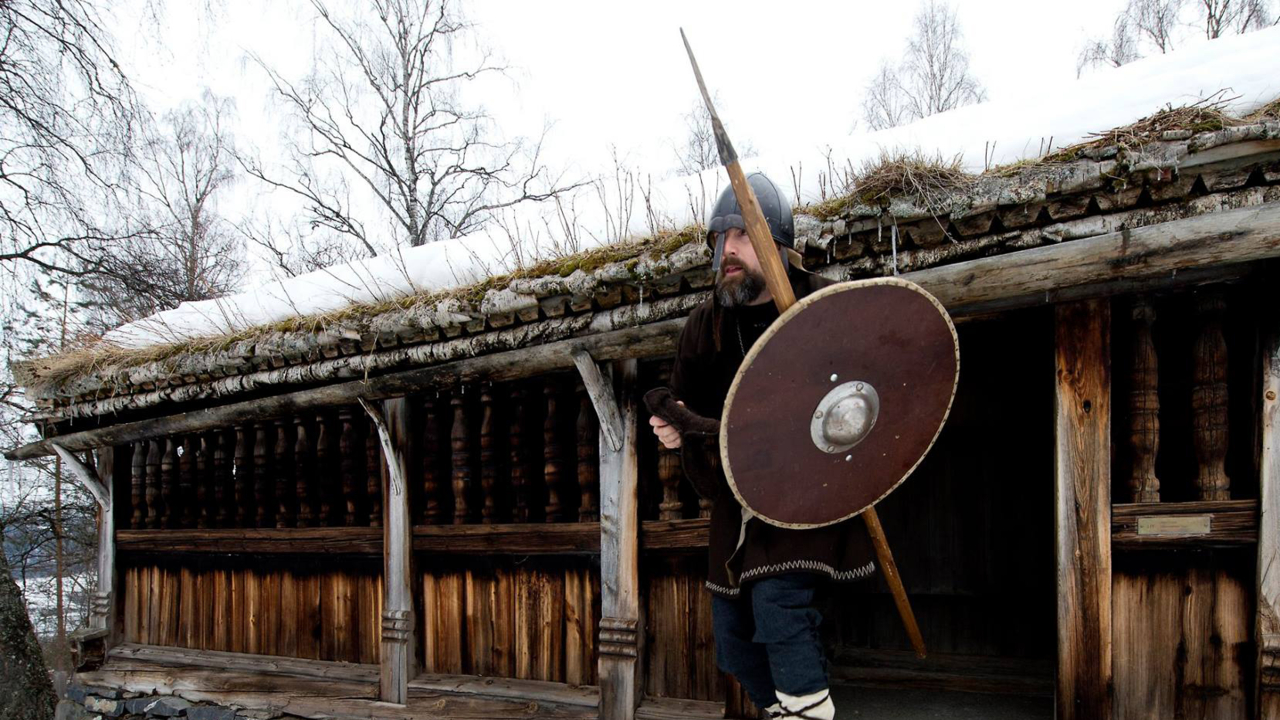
{"type": "Point", "coordinates": [1198, 429]}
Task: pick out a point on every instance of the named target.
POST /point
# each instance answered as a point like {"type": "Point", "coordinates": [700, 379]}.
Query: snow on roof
{"type": "Point", "coordinates": [1243, 68]}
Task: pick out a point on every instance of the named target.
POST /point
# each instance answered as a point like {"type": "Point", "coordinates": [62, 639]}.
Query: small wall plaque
{"type": "Point", "coordinates": [1174, 525]}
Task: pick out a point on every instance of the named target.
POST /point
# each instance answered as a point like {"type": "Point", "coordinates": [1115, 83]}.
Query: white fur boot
{"type": "Point", "coordinates": [814, 706]}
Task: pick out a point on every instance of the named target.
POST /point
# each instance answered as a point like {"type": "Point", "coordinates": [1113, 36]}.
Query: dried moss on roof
{"type": "Point", "coordinates": [58, 369]}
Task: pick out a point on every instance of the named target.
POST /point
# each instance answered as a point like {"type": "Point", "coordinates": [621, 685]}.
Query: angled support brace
{"type": "Point", "coordinates": [601, 393]}
{"type": "Point", "coordinates": [87, 477]}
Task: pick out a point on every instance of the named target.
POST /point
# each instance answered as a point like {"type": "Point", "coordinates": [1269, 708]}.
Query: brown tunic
{"type": "Point", "coordinates": [711, 347]}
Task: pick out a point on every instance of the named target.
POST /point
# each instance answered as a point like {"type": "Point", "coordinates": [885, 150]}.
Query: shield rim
{"type": "Point", "coordinates": [763, 341]}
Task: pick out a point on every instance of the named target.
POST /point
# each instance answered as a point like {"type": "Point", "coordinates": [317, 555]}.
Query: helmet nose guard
{"type": "Point", "coordinates": [728, 214]}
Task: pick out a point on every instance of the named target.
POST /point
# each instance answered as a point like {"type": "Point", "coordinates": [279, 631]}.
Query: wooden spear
{"type": "Point", "coordinates": [775, 277]}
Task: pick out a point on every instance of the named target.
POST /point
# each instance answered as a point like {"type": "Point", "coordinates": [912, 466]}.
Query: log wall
{"type": "Point", "coordinates": [293, 609]}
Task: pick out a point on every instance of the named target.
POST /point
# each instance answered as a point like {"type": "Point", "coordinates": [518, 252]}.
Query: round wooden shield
{"type": "Point", "coordinates": [838, 401]}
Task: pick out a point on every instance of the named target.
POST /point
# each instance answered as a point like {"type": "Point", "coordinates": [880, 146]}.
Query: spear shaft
{"type": "Point", "coordinates": [775, 277]}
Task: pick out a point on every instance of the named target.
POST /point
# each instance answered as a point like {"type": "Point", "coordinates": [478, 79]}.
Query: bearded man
{"type": "Point", "coordinates": [762, 577]}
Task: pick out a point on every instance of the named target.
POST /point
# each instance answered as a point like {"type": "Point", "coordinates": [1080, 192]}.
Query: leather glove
{"type": "Point", "coordinates": [699, 440]}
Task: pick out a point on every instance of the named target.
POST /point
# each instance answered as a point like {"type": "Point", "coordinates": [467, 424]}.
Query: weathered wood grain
{"type": "Point", "coordinates": [1083, 486]}
{"type": "Point", "coordinates": [253, 541]}
{"type": "Point", "coordinates": [1232, 523]}
{"type": "Point", "coordinates": [444, 621]}
{"type": "Point", "coordinates": [1106, 264]}
{"type": "Point", "coordinates": [1267, 630]}
{"type": "Point", "coordinates": [1180, 634]}
{"type": "Point", "coordinates": [650, 340]}
{"type": "Point", "coordinates": [621, 627]}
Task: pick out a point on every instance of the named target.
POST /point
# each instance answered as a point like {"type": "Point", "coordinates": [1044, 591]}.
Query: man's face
{"type": "Point", "coordinates": [740, 280]}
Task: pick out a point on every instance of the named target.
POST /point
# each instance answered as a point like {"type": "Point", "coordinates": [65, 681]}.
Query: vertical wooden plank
{"type": "Point", "coordinates": [620, 670]}
{"type": "Point", "coordinates": [479, 619]}
{"type": "Point", "coordinates": [130, 598]}
{"type": "Point", "coordinates": [309, 620]}
{"type": "Point", "coordinates": [526, 618]}
{"type": "Point", "coordinates": [1267, 633]}
{"type": "Point", "coordinates": [329, 586]}
{"type": "Point", "coordinates": [577, 631]}
{"type": "Point", "coordinates": [168, 605]}
{"type": "Point", "coordinates": [239, 620]}
{"type": "Point", "coordinates": [706, 676]}
{"type": "Point", "coordinates": [444, 625]}
{"type": "Point", "coordinates": [344, 617]}
{"type": "Point", "coordinates": [253, 612]}
{"type": "Point", "coordinates": [503, 623]}
{"type": "Point", "coordinates": [222, 618]}
{"type": "Point", "coordinates": [287, 635]}
{"type": "Point", "coordinates": [550, 650]}
{"type": "Point", "coordinates": [1147, 614]}
{"type": "Point", "coordinates": [188, 620]}
{"type": "Point", "coordinates": [1083, 509]}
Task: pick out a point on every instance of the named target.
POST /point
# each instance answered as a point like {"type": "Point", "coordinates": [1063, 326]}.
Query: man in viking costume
{"type": "Point", "coordinates": [762, 577]}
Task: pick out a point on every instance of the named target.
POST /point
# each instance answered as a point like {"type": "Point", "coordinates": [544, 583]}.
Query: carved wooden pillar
{"type": "Point", "coordinates": [262, 485]}
{"type": "Point", "coordinates": [243, 470]}
{"type": "Point", "coordinates": [461, 460]}
{"type": "Point", "coordinates": [204, 478]}
{"type": "Point", "coordinates": [432, 512]}
{"type": "Point", "coordinates": [621, 638]}
{"type": "Point", "coordinates": [1144, 407]}
{"type": "Point", "coordinates": [347, 449]}
{"type": "Point", "coordinates": [519, 457]}
{"type": "Point", "coordinates": [168, 485]}
{"type": "Point", "coordinates": [324, 485]}
{"type": "Point", "coordinates": [552, 454]}
{"type": "Point", "coordinates": [155, 450]}
{"type": "Point", "coordinates": [186, 484]}
{"type": "Point", "coordinates": [373, 474]}
{"type": "Point", "coordinates": [138, 486]}
{"type": "Point", "coordinates": [1209, 400]}
{"type": "Point", "coordinates": [397, 656]}
{"type": "Point", "coordinates": [669, 471]}
{"type": "Point", "coordinates": [224, 482]}
{"type": "Point", "coordinates": [303, 469]}
{"type": "Point", "coordinates": [588, 458]}
{"type": "Point", "coordinates": [488, 459]}
{"type": "Point", "coordinates": [282, 462]}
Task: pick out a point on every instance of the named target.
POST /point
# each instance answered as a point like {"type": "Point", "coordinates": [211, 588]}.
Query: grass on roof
{"type": "Point", "coordinates": [56, 370]}
{"type": "Point", "coordinates": [894, 175]}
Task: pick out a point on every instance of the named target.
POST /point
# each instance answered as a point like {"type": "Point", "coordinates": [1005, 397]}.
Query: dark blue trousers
{"type": "Point", "coordinates": [767, 637]}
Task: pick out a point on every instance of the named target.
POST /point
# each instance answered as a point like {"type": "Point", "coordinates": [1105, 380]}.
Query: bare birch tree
{"type": "Point", "coordinates": [934, 76]}
{"type": "Point", "coordinates": [67, 119]}
{"type": "Point", "coordinates": [1149, 26]}
{"type": "Point", "coordinates": [387, 151]}
{"type": "Point", "coordinates": [189, 251]}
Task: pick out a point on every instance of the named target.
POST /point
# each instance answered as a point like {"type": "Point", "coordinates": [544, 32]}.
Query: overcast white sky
{"type": "Point", "coordinates": [615, 73]}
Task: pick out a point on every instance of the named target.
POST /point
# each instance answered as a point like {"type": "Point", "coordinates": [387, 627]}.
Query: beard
{"type": "Point", "coordinates": [740, 289]}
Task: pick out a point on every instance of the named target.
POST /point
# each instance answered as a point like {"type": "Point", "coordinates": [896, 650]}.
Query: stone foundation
{"type": "Point", "coordinates": [83, 702]}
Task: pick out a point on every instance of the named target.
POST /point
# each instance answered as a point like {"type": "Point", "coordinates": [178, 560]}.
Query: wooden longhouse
{"type": "Point", "coordinates": [454, 505]}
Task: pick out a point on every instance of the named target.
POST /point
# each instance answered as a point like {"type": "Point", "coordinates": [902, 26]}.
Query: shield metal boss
{"type": "Point", "coordinates": [838, 401]}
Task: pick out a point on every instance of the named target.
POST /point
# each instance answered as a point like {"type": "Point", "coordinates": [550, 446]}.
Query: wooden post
{"type": "Point", "coordinates": [99, 484]}
{"type": "Point", "coordinates": [1083, 509]}
{"type": "Point", "coordinates": [620, 622]}
{"type": "Point", "coordinates": [1268, 628]}
{"type": "Point", "coordinates": [1209, 400]}
{"type": "Point", "coordinates": [1144, 408]}
{"type": "Point", "coordinates": [397, 652]}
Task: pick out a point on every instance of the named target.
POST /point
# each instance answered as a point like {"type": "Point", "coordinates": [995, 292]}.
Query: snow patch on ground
{"type": "Point", "coordinates": [994, 133]}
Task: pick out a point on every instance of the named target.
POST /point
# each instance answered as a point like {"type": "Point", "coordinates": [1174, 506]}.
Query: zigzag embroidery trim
{"type": "Point", "coordinates": [854, 574]}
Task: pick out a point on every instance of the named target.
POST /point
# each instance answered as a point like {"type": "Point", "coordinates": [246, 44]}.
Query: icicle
{"type": "Point", "coordinates": [894, 240]}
